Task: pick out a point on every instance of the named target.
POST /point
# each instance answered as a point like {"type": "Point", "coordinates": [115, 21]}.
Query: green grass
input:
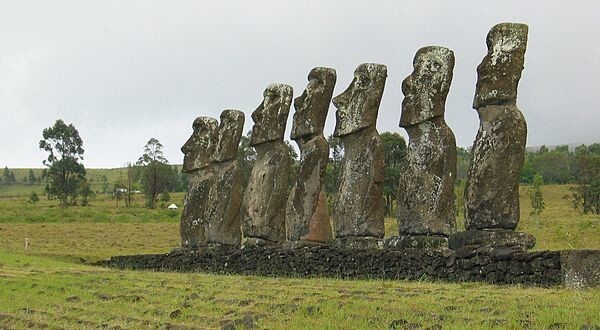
{"type": "Point", "coordinates": [50, 286]}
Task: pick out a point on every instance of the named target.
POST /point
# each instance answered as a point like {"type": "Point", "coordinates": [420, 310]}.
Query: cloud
{"type": "Point", "coordinates": [123, 72]}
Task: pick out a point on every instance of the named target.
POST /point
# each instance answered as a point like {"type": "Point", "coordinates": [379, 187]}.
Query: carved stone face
{"type": "Point", "coordinates": [426, 88]}
{"type": "Point", "coordinates": [312, 106]}
{"type": "Point", "coordinates": [271, 115]}
{"type": "Point", "coordinates": [500, 70]}
{"type": "Point", "coordinates": [199, 148]}
{"type": "Point", "coordinates": [358, 105]}
{"type": "Point", "coordinates": [228, 135]}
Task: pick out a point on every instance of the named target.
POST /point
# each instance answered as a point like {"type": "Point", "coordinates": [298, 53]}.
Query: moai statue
{"type": "Point", "coordinates": [358, 207]}
{"type": "Point", "coordinates": [426, 190]}
{"type": "Point", "coordinates": [492, 187]}
{"type": "Point", "coordinates": [306, 216]}
{"type": "Point", "coordinates": [263, 206]}
{"type": "Point", "coordinates": [223, 211]}
{"type": "Point", "coordinates": [198, 151]}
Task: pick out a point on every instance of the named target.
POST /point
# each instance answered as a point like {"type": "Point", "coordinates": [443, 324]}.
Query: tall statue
{"type": "Point", "coordinates": [307, 218]}
{"type": "Point", "coordinates": [492, 188]}
{"type": "Point", "coordinates": [198, 151]}
{"type": "Point", "coordinates": [263, 206]}
{"type": "Point", "coordinates": [358, 207]}
{"type": "Point", "coordinates": [426, 191]}
{"type": "Point", "coordinates": [225, 199]}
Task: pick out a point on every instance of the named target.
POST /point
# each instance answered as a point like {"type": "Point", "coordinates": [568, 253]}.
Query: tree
{"type": "Point", "coordinates": [334, 167]}
{"type": "Point", "coordinates": [463, 161]}
{"type": "Point", "coordinates": [536, 196]}
{"type": "Point", "coordinates": [586, 195]}
{"type": "Point", "coordinates": [9, 177]}
{"type": "Point", "coordinates": [85, 190]}
{"type": "Point", "coordinates": [246, 156]}
{"type": "Point", "coordinates": [131, 175]}
{"type": "Point", "coordinates": [65, 150]}
{"type": "Point", "coordinates": [394, 148]}
{"type": "Point", "coordinates": [105, 185]}
{"type": "Point", "coordinates": [459, 197]}
{"type": "Point", "coordinates": [31, 177]}
{"type": "Point", "coordinates": [33, 198]}
{"type": "Point", "coordinates": [294, 165]}
{"type": "Point", "coordinates": [118, 193]}
{"type": "Point", "coordinates": [155, 173]}
{"type": "Point", "coordinates": [6, 174]}
{"type": "Point", "coordinates": [165, 197]}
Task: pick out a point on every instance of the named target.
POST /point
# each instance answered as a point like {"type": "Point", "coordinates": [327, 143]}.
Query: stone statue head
{"type": "Point", "coordinates": [426, 88]}
{"type": "Point", "coordinates": [500, 70]}
{"type": "Point", "coordinates": [198, 149]}
{"type": "Point", "coordinates": [312, 106]}
{"type": "Point", "coordinates": [358, 105]}
{"type": "Point", "coordinates": [228, 136]}
{"type": "Point", "coordinates": [271, 115]}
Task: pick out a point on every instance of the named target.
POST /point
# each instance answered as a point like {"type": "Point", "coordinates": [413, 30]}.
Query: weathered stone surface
{"type": "Point", "coordinates": [358, 106]}
{"type": "Point", "coordinates": [492, 187]}
{"type": "Point", "coordinates": [358, 205]}
{"type": "Point", "coordinates": [271, 115]}
{"type": "Point", "coordinates": [229, 134]}
{"type": "Point", "coordinates": [307, 218]}
{"type": "Point", "coordinates": [491, 238]}
{"type": "Point", "coordinates": [428, 242]}
{"type": "Point", "coordinates": [426, 89]}
{"type": "Point", "coordinates": [500, 71]}
{"type": "Point", "coordinates": [225, 198]}
{"type": "Point", "coordinates": [487, 265]}
{"type": "Point", "coordinates": [263, 206]}
{"type": "Point", "coordinates": [313, 105]}
{"type": "Point", "coordinates": [580, 268]}
{"type": "Point", "coordinates": [198, 151]}
{"type": "Point", "coordinates": [353, 242]}
{"type": "Point", "coordinates": [426, 188]}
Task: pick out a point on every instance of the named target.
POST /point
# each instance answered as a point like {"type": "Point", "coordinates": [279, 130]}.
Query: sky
{"type": "Point", "coordinates": [123, 72]}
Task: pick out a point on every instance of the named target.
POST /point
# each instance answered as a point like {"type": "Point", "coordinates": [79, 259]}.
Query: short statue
{"type": "Point", "coordinates": [358, 213]}
{"type": "Point", "coordinates": [426, 190]}
{"type": "Point", "coordinates": [198, 151]}
{"type": "Point", "coordinates": [225, 199]}
{"type": "Point", "coordinates": [264, 203]}
{"type": "Point", "coordinates": [492, 187]}
{"type": "Point", "coordinates": [307, 218]}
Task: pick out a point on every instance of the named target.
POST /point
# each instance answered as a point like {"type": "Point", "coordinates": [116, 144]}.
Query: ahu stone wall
{"type": "Point", "coordinates": [498, 265]}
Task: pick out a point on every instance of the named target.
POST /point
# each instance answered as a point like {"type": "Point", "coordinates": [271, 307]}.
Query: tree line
{"type": "Point", "coordinates": [66, 180]}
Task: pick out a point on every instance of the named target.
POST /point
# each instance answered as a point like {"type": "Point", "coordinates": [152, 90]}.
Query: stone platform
{"type": "Point", "coordinates": [497, 265]}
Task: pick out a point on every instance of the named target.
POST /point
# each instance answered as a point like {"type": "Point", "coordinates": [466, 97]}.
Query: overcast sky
{"type": "Point", "coordinates": [125, 71]}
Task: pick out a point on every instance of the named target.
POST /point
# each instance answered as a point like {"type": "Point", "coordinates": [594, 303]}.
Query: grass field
{"type": "Point", "coordinates": [50, 285]}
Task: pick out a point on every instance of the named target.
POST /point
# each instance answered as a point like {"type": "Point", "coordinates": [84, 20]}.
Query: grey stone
{"type": "Point", "coordinates": [223, 207]}
{"type": "Point", "coordinates": [271, 115]}
{"type": "Point", "coordinates": [358, 205]}
{"type": "Point", "coordinates": [352, 242]}
{"type": "Point", "coordinates": [426, 188]}
{"type": "Point", "coordinates": [428, 242]}
{"type": "Point", "coordinates": [492, 187]}
{"type": "Point", "coordinates": [198, 151]}
{"type": "Point", "coordinates": [580, 268]}
{"type": "Point", "coordinates": [491, 238]}
{"type": "Point", "coordinates": [358, 106]}
{"type": "Point", "coordinates": [307, 218]}
{"type": "Point", "coordinates": [264, 202]}
{"type": "Point", "coordinates": [500, 71]}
